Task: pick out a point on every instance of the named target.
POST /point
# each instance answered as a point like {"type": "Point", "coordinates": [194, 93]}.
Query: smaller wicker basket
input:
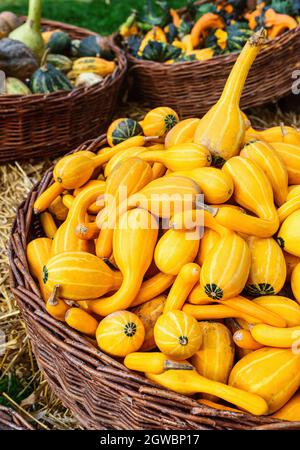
{"type": "Point", "coordinates": [192, 88]}
{"type": "Point", "coordinates": [46, 125]}
{"type": "Point", "coordinates": [99, 390]}
{"type": "Point", "coordinates": [11, 420]}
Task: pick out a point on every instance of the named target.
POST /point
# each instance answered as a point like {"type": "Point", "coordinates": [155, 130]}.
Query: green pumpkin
{"type": "Point", "coordinates": [123, 129]}
{"type": "Point", "coordinates": [59, 43]}
{"type": "Point", "coordinates": [160, 52]}
{"type": "Point", "coordinates": [94, 46]}
{"type": "Point", "coordinates": [48, 79]}
{"type": "Point", "coordinates": [60, 62]}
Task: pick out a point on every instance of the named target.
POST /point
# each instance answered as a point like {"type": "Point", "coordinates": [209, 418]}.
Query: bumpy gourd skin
{"type": "Point", "coordinates": [222, 129]}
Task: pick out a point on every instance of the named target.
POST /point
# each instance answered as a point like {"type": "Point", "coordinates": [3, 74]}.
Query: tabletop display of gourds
{"type": "Point", "coordinates": [214, 314]}
{"type": "Point", "coordinates": [160, 34]}
{"type": "Point", "coordinates": [41, 62]}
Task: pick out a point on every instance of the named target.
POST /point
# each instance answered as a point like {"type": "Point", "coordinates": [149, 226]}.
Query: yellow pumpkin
{"type": "Point", "coordinates": [38, 253]}
{"type": "Point", "coordinates": [159, 121]}
{"type": "Point", "coordinates": [289, 234]}
{"type": "Point", "coordinates": [120, 333]}
{"type": "Point", "coordinates": [289, 153]}
{"type": "Point", "coordinates": [286, 308]}
{"type": "Point", "coordinates": [182, 133]}
{"type": "Point", "coordinates": [177, 335]}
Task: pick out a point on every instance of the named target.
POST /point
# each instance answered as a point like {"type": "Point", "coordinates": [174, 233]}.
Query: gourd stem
{"type": "Point", "coordinates": [34, 14]}
{"type": "Point", "coordinates": [173, 365]}
{"type": "Point", "coordinates": [237, 78]}
{"type": "Point", "coordinates": [53, 297]}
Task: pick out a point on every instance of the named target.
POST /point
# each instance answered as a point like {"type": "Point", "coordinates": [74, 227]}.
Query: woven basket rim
{"type": "Point", "coordinates": [109, 80]}
{"type": "Point", "coordinates": [12, 420]}
{"type": "Point", "coordinates": [216, 60]}
{"type": "Point", "coordinates": [28, 296]}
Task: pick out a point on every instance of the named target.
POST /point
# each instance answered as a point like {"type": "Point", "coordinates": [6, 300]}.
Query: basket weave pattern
{"type": "Point", "coordinates": [46, 125]}
{"type": "Point", "coordinates": [98, 389]}
{"type": "Point", "coordinates": [11, 420]}
{"type": "Point", "coordinates": [191, 88]}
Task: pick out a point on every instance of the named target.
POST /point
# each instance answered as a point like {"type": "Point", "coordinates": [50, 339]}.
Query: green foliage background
{"type": "Point", "coordinates": [102, 16]}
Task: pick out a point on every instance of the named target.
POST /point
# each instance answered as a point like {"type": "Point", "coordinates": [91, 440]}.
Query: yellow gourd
{"type": "Point", "coordinates": [290, 411]}
{"type": "Point", "coordinates": [243, 339]}
{"type": "Point", "coordinates": [159, 121]}
{"type": "Point", "coordinates": [213, 312]}
{"type": "Point", "coordinates": [120, 333]}
{"type": "Point", "coordinates": [166, 195]}
{"type": "Point", "coordinates": [148, 313]}
{"type": "Point", "coordinates": [291, 261]}
{"type": "Point", "coordinates": [276, 337]}
{"type": "Point", "coordinates": [209, 239]}
{"type": "Point", "coordinates": [289, 234]}
{"type": "Point", "coordinates": [156, 363]}
{"type": "Point", "coordinates": [215, 358]}
{"type": "Point", "coordinates": [66, 240]}
{"type": "Point", "coordinates": [158, 170]}
{"type": "Point", "coordinates": [295, 282]}
{"type": "Point", "coordinates": [81, 321]}
{"type": "Point", "coordinates": [129, 153]}
{"type": "Point", "coordinates": [253, 191]}
{"type": "Point", "coordinates": [294, 190]}
{"type": "Point", "coordinates": [180, 157]}
{"type": "Point", "coordinates": [80, 276]}
{"type": "Point", "coordinates": [288, 208]}
{"type": "Point", "coordinates": [271, 163]}
{"type": "Point", "coordinates": [175, 249]}
{"type": "Point", "coordinates": [177, 335]}
{"type": "Point", "coordinates": [153, 287]}
{"type": "Point", "coordinates": [224, 137]}
{"type": "Point", "coordinates": [94, 64]}
{"type": "Point", "coordinates": [268, 269]}
{"type": "Point", "coordinates": [198, 297]}
{"type": "Point", "coordinates": [286, 308]}
{"type": "Point", "coordinates": [129, 176]}
{"type": "Point", "coordinates": [55, 306]}
{"type": "Point", "coordinates": [189, 382]}
{"type": "Point", "coordinates": [38, 252]}
{"type": "Point", "coordinates": [58, 209]}
{"type": "Point", "coordinates": [47, 197]}
{"type": "Point", "coordinates": [48, 224]}
{"type": "Point", "coordinates": [272, 373]}
{"type": "Point", "coordinates": [226, 268]}
{"type": "Point", "coordinates": [204, 401]}
{"type": "Point", "coordinates": [183, 284]}
{"type": "Point", "coordinates": [234, 325]}
{"type": "Point", "coordinates": [68, 200]}
{"type": "Point", "coordinates": [134, 241]}
{"type": "Point", "coordinates": [282, 133]}
{"type": "Point", "coordinates": [215, 184]}
{"type": "Point", "coordinates": [182, 133]}
{"type": "Point", "coordinates": [289, 153]}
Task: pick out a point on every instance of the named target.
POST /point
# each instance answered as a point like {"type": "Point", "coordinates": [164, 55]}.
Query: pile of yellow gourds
{"type": "Point", "coordinates": [149, 287]}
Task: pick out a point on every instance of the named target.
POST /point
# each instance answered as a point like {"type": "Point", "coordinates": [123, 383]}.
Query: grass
{"type": "Point", "coordinates": [102, 16]}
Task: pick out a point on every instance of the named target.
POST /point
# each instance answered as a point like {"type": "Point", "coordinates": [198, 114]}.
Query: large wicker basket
{"type": "Point", "coordinates": [46, 125]}
{"type": "Point", "coordinates": [192, 88]}
{"type": "Point", "coordinates": [11, 420]}
{"type": "Point", "coordinates": [98, 389]}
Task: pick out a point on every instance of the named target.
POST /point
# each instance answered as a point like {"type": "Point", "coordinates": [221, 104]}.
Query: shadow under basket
{"type": "Point", "coordinates": [11, 420]}
{"type": "Point", "coordinates": [42, 125]}
{"type": "Point", "coordinates": [191, 88]}
{"type": "Point", "coordinates": [99, 390]}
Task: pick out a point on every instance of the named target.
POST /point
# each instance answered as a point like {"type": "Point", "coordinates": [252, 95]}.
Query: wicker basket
{"type": "Point", "coordinates": [98, 389]}
{"type": "Point", "coordinates": [11, 420]}
{"type": "Point", "coordinates": [46, 125]}
{"type": "Point", "coordinates": [192, 88]}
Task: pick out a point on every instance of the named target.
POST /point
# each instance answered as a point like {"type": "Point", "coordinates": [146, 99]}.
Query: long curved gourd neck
{"type": "Point", "coordinates": [34, 14]}
{"type": "Point", "coordinates": [235, 83]}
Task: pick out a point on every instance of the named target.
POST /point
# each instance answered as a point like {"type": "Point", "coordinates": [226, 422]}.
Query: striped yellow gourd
{"type": "Point", "coordinates": [291, 261]}
{"type": "Point", "coordinates": [182, 133]}
{"type": "Point", "coordinates": [209, 239]}
{"type": "Point", "coordinates": [185, 281]}
{"type": "Point", "coordinates": [215, 184]}
{"type": "Point", "coordinates": [290, 206]}
{"type": "Point", "coordinates": [80, 276]}
{"type": "Point", "coordinates": [215, 358]}
{"type": "Point", "coordinates": [222, 129]}
{"type": "Point", "coordinates": [253, 191]}
{"type": "Point", "coordinates": [177, 335]}
{"type": "Point", "coordinates": [286, 308]}
{"type": "Point", "coordinates": [159, 121]}
{"type": "Point", "coordinates": [290, 411]}
{"type": "Point", "coordinates": [134, 241]}
{"type": "Point", "coordinates": [175, 249]}
{"type": "Point", "coordinates": [282, 133]}
{"type": "Point", "coordinates": [225, 270]}
{"type": "Point", "coordinates": [268, 269]}
{"type": "Point", "coordinates": [120, 157]}
{"type": "Point", "coordinates": [289, 234]}
{"type": "Point", "coordinates": [180, 157]}
{"type": "Point", "coordinates": [272, 373]}
{"type": "Point", "coordinates": [271, 163]}
{"type": "Point", "coordinates": [129, 176]}
{"type": "Point", "coordinates": [289, 153]}
{"type": "Point", "coordinates": [38, 252]}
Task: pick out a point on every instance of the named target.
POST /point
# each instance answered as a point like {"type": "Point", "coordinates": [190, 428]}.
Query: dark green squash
{"type": "Point", "coordinates": [160, 52]}
{"type": "Point", "coordinates": [48, 79]}
{"type": "Point", "coordinates": [59, 43]}
{"type": "Point", "coordinates": [122, 129]}
{"type": "Point", "coordinates": [95, 46]}
{"type": "Point", "coordinates": [60, 62]}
